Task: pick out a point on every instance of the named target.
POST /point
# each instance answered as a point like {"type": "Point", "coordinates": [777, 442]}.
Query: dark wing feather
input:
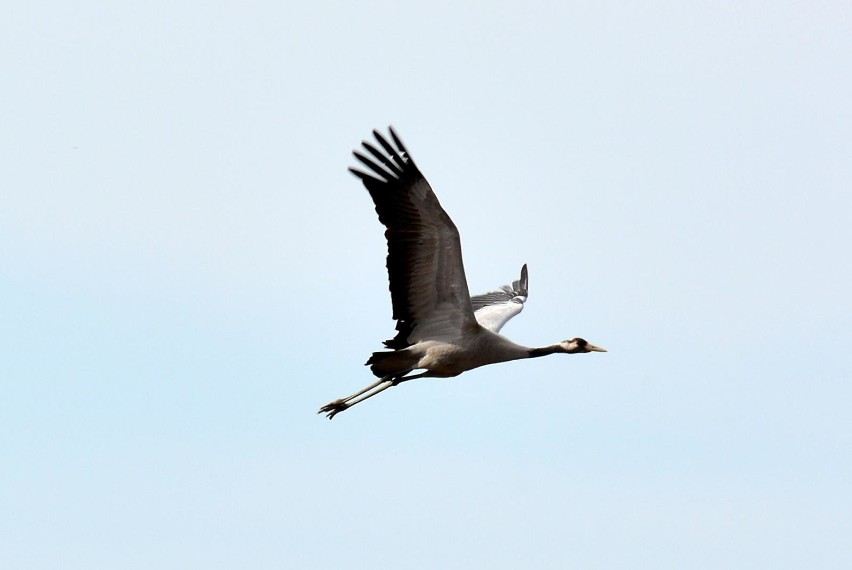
{"type": "Point", "coordinates": [427, 282]}
{"type": "Point", "coordinates": [519, 288]}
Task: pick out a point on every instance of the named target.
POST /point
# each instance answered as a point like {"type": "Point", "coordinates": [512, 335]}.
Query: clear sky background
{"type": "Point", "coordinates": [188, 273]}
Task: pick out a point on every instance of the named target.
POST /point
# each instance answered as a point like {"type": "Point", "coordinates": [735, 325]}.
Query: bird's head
{"type": "Point", "coordinates": [577, 345]}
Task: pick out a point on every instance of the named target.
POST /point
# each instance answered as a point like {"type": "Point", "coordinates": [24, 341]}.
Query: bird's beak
{"type": "Point", "coordinates": [592, 348]}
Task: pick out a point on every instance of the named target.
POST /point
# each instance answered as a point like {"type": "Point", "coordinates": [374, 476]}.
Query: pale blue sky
{"type": "Point", "coordinates": [188, 272]}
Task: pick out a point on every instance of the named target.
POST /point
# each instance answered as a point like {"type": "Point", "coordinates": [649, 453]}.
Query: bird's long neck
{"type": "Point", "coordinates": [545, 350]}
{"type": "Point", "coordinates": [493, 347]}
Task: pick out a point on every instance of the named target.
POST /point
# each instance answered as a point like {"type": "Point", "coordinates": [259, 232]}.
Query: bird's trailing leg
{"type": "Point", "coordinates": [341, 404]}
{"type": "Point", "coordinates": [333, 408]}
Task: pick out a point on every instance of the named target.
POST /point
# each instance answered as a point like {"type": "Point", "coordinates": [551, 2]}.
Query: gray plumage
{"type": "Point", "coordinates": [440, 328]}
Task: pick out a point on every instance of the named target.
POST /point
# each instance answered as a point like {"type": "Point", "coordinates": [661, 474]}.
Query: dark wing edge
{"type": "Point", "coordinates": [519, 288]}
{"type": "Point", "coordinates": [522, 286]}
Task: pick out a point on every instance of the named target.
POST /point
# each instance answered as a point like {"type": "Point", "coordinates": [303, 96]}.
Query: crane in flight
{"type": "Point", "coordinates": [441, 329]}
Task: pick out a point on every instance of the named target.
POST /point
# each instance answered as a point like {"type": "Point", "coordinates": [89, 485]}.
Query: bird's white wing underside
{"type": "Point", "coordinates": [493, 310]}
{"type": "Point", "coordinates": [493, 317]}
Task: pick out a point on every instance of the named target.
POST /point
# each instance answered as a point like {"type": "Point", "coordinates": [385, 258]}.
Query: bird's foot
{"type": "Point", "coordinates": [333, 408]}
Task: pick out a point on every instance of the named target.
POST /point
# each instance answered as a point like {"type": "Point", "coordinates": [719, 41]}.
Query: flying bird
{"type": "Point", "coordinates": [441, 329]}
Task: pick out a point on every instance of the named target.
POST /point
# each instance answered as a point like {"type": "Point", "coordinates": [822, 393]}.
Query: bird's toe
{"type": "Point", "coordinates": [333, 408]}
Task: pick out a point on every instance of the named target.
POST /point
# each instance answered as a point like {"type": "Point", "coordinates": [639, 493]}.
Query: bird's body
{"type": "Point", "coordinates": [440, 328]}
{"type": "Point", "coordinates": [450, 357]}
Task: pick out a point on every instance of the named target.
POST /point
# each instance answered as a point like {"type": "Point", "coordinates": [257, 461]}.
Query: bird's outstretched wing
{"type": "Point", "coordinates": [427, 282]}
{"type": "Point", "coordinates": [493, 310]}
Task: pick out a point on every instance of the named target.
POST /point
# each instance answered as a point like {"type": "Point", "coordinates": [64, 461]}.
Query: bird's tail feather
{"type": "Point", "coordinates": [392, 363]}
